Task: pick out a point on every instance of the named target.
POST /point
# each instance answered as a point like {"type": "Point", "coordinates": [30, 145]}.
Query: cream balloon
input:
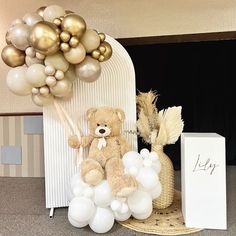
{"type": "Point", "coordinates": [90, 40]}
{"type": "Point", "coordinates": [88, 70]}
{"type": "Point", "coordinates": [41, 100]}
{"type": "Point", "coordinates": [19, 36]}
{"type": "Point", "coordinates": [58, 61]}
{"type": "Point", "coordinates": [62, 88]}
{"type": "Point", "coordinates": [36, 76]}
{"type": "Point", "coordinates": [32, 18]}
{"type": "Point", "coordinates": [70, 73]}
{"type": "Point", "coordinates": [16, 81]}
{"type": "Point", "coordinates": [52, 12]}
{"type": "Point", "coordinates": [32, 60]}
{"type": "Point", "coordinates": [75, 55]}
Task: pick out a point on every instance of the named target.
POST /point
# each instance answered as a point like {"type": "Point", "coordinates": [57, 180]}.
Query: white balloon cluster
{"type": "Point", "coordinates": [98, 208]}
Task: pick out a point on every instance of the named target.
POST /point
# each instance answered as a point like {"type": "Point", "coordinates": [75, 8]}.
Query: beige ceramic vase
{"type": "Point", "coordinates": [166, 177]}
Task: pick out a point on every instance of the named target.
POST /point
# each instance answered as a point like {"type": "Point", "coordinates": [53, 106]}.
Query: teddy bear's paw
{"type": "Point", "coordinates": [73, 141]}
{"type": "Point", "coordinates": [93, 177]}
{"type": "Point", "coordinates": [128, 186]}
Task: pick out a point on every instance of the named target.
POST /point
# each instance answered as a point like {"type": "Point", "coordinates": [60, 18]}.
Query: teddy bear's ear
{"type": "Point", "coordinates": [90, 112]}
{"type": "Point", "coordinates": [120, 114]}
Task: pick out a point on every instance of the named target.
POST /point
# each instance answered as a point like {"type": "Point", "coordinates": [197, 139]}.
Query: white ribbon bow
{"type": "Point", "coordinates": [102, 143]}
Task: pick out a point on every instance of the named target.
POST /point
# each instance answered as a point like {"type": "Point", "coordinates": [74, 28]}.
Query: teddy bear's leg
{"type": "Point", "coordinates": [91, 172]}
{"type": "Point", "coordinates": [122, 185]}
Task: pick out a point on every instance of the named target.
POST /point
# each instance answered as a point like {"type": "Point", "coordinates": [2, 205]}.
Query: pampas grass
{"type": "Point", "coordinates": [159, 128]}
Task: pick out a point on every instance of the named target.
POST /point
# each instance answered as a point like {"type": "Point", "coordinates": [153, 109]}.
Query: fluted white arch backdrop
{"type": "Point", "coordinates": [116, 87]}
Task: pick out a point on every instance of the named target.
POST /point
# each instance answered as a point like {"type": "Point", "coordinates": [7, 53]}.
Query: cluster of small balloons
{"type": "Point", "coordinates": [48, 50]}
{"type": "Point", "coordinates": [98, 208]}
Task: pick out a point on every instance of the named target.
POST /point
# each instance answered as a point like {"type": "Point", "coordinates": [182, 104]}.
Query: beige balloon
{"type": "Point", "coordinates": [36, 76]}
{"type": "Point", "coordinates": [12, 56]}
{"type": "Point", "coordinates": [62, 88]}
{"type": "Point", "coordinates": [7, 38]}
{"type": "Point", "coordinates": [41, 100]}
{"type": "Point", "coordinates": [75, 55]}
{"type": "Point", "coordinates": [52, 12]}
{"type": "Point", "coordinates": [90, 40]}
{"type": "Point", "coordinates": [89, 70]}
{"type": "Point", "coordinates": [32, 18]}
{"type": "Point", "coordinates": [32, 60]}
{"type": "Point", "coordinates": [73, 24]}
{"type": "Point", "coordinates": [16, 81]}
{"type": "Point", "coordinates": [70, 73]}
{"type": "Point", "coordinates": [45, 38]}
{"type": "Point", "coordinates": [58, 61]}
{"type": "Point", "coordinates": [40, 11]}
{"type": "Point", "coordinates": [19, 36]}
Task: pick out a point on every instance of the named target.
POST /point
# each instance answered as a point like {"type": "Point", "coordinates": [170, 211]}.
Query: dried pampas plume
{"type": "Point", "coordinates": [156, 128]}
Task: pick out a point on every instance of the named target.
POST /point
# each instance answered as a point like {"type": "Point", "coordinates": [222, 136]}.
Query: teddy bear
{"type": "Point", "coordinates": [106, 148]}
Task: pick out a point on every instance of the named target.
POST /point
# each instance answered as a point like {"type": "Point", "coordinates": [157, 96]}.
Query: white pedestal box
{"type": "Point", "coordinates": [203, 180]}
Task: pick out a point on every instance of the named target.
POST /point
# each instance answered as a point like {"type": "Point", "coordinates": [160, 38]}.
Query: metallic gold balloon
{"type": "Point", "coordinates": [44, 37]}
{"type": "Point", "coordinates": [40, 11]}
{"type": "Point", "coordinates": [74, 41]}
{"type": "Point", "coordinates": [107, 54]}
{"type": "Point", "coordinates": [65, 47]}
{"type": "Point", "coordinates": [12, 56]}
{"type": "Point", "coordinates": [102, 37]}
{"type": "Point", "coordinates": [96, 53]}
{"type": "Point", "coordinates": [102, 49]}
{"type": "Point", "coordinates": [65, 37]}
{"type": "Point", "coordinates": [7, 38]}
{"type": "Point", "coordinates": [69, 11]}
{"type": "Point", "coordinates": [73, 24]}
{"type": "Point", "coordinates": [57, 21]}
{"type": "Point", "coordinates": [101, 58]}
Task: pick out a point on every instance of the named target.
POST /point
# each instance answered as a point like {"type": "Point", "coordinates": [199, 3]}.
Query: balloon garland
{"type": "Point", "coordinates": [48, 50]}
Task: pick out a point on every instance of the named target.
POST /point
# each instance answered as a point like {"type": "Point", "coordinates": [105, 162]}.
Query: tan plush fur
{"type": "Point", "coordinates": [105, 161]}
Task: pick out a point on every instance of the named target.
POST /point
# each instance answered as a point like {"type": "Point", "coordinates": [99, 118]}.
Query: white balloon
{"type": "Point", "coordinates": [32, 18]}
{"type": "Point", "coordinates": [156, 191]}
{"type": "Point", "coordinates": [116, 205]}
{"type": "Point", "coordinates": [81, 209]}
{"type": "Point", "coordinates": [147, 162]}
{"type": "Point", "coordinates": [102, 194]}
{"type": "Point", "coordinates": [144, 152]}
{"type": "Point", "coordinates": [52, 12]}
{"type": "Point", "coordinates": [76, 178]}
{"type": "Point", "coordinates": [124, 208]}
{"type": "Point", "coordinates": [122, 217]}
{"type": "Point", "coordinates": [102, 221]}
{"type": "Point", "coordinates": [132, 159]}
{"type": "Point", "coordinates": [148, 178]}
{"type": "Point", "coordinates": [35, 75]}
{"type": "Point", "coordinates": [76, 223]}
{"type": "Point", "coordinates": [156, 165]}
{"type": "Point", "coordinates": [70, 195]}
{"type": "Point", "coordinates": [58, 61]}
{"type": "Point", "coordinates": [139, 202]}
{"type": "Point", "coordinates": [133, 171]}
{"type": "Point", "coordinates": [16, 81]}
{"type": "Point", "coordinates": [88, 192]}
{"type": "Point", "coordinates": [153, 156]}
{"type": "Point", "coordinates": [78, 191]}
{"type": "Point", "coordinates": [143, 216]}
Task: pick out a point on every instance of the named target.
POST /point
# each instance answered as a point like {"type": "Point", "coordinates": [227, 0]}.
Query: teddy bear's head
{"type": "Point", "coordinates": [105, 121]}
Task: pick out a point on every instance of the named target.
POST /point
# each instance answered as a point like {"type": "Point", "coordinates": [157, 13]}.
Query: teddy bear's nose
{"type": "Point", "coordinates": [102, 131]}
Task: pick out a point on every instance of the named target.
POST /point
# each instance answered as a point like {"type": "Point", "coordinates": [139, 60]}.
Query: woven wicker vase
{"type": "Point", "coordinates": [166, 178]}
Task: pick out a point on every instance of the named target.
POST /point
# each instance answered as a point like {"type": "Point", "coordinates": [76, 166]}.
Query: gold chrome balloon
{"type": "Point", "coordinates": [74, 42]}
{"type": "Point", "coordinates": [101, 58]}
{"type": "Point", "coordinates": [45, 38]}
{"type": "Point", "coordinates": [69, 11]}
{"type": "Point", "coordinates": [102, 37]}
{"type": "Point", "coordinates": [12, 56]}
{"type": "Point", "coordinates": [73, 24]}
{"type": "Point", "coordinates": [95, 54]}
{"type": "Point", "coordinates": [40, 11]}
{"type": "Point", "coordinates": [57, 21]}
{"type": "Point", "coordinates": [65, 47]}
{"type": "Point", "coordinates": [65, 37]}
{"type": "Point", "coordinates": [7, 38]}
{"type": "Point", "coordinates": [108, 52]}
{"type": "Point", "coordinates": [102, 49]}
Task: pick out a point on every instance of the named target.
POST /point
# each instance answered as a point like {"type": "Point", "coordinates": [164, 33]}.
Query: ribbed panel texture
{"type": "Point", "coordinates": [115, 87]}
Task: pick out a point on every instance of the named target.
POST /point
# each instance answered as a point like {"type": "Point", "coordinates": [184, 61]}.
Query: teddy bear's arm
{"type": "Point", "coordinates": [124, 145]}
{"type": "Point", "coordinates": [73, 141]}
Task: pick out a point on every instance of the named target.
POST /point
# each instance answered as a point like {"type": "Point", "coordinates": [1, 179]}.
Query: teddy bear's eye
{"type": "Point", "coordinates": [105, 125]}
{"type": "Point", "coordinates": [98, 124]}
